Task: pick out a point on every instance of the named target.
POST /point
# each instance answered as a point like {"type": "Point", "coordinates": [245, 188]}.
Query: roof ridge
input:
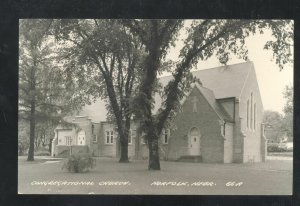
{"type": "Point", "coordinates": [252, 67]}
{"type": "Point", "coordinates": [247, 62]}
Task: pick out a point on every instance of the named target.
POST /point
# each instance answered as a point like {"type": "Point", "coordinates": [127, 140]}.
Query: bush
{"type": "Point", "coordinates": [42, 153]}
{"type": "Point", "coordinates": [274, 147]}
{"type": "Point", "coordinates": [80, 162]}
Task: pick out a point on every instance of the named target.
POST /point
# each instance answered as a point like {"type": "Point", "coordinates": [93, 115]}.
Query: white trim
{"type": "Point", "coordinates": [110, 137]}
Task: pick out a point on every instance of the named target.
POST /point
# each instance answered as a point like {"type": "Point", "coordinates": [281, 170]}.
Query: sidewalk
{"type": "Point", "coordinates": [48, 158]}
{"type": "Point", "coordinates": [279, 158]}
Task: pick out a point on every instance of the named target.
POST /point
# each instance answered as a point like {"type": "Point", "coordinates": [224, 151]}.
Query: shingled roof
{"type": "Point", "coordinates": [225, 81]}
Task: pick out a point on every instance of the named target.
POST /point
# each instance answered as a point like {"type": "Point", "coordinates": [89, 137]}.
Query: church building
{"type": "Point", "coordinates": [220, 122]}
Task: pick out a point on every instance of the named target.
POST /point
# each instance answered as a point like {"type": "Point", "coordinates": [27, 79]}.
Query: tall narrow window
{"type": "Point", "coordinates": [248, 114]}
{"type": "Point", "coordinates": [109, 137]}
{"type": "Point", "coordinates": [130, 136]}
{"type": "Point", "coordinates": [92, 129]}
{"type": "Point", "coordinates": [95, 139]}
{"type": "Point", "coordinates": [165, 135]}
{"type": "Point", "coordinates": [254, 125]}
{"type": "Point", "coordinates": [251, 113]}
{"type": "Point", "coordinates": [68, 140]}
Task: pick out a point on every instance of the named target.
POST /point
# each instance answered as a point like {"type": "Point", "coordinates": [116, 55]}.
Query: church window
{"type": "Point", "coordinates": [165, 136]}
{"type": "Point", "coordinates": [95, 139]}
{"type": "Point", "coordinates": [68, 140]}
{"type": "Point", "coordinates": [109, 137]}
{"type": "Point", "coordinates": [251, 113]}
{"type": "Point", "coordinates": [248, 107]}
{"type": "Point", "coordinates": [254, 125]}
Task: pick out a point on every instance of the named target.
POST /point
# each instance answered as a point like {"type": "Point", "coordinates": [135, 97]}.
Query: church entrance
{"type": "Point", "coordinates": [194, 141]}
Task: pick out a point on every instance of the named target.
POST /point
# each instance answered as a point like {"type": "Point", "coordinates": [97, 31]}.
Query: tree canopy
{"type": "Point", "coordinates": [206, 38]}
{"type": "Point", "coordinates": [43, 94]}
{"type": "Point", "coordinates": [105, 59]}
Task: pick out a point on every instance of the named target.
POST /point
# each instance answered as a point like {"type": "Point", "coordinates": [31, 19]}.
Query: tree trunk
{"type": "Point", "coordinates": [124, 141]}
{"type": "Point", "coordinates": [50, 146]}
{"type": "Point", "coordinates": [32, 113]}
{"type": "Point", "coordinates": [124, 151]}
{"type": "Point", "coordinates": [32, 132]}
{"type": "Point", "coordinates": [119, 119]}
{"type": "Point", "coordinates": [154, 163]}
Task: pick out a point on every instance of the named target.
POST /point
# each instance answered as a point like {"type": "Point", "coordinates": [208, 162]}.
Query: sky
{"type": "Point", "coordinates": [271, 80]}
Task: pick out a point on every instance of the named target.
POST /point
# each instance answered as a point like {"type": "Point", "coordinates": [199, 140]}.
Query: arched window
{"type": "Point", "coordinates": [194, 132]}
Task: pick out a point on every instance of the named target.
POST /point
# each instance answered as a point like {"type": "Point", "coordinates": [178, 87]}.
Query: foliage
{"type": "Point", "coordinates": [105, 59]}
{"type": "Point", "coordinates": [43, 95]}
{"type": "Point", "coordinates": [273, 147]}
{"type": "Point", "coordinates": [274, 130]}
{"type": "Point", "coordinates": [23, 134]}
{"type": "Point", "coordinates": [79, 163]}
{"type": "Point", "coordinates": [206, 38]}
{"type": "Point", "coordinates": [42, 152]}
{"type": "Point", "coordinates": [288, 94]}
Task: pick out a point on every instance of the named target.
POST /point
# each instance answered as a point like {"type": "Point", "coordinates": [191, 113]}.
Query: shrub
{"type": "Point", "coordinates": [42, 153]}
{"type": "Point", "coordinates": [273, 147]}
{"type": "Point", "coordinates": [80, 162]}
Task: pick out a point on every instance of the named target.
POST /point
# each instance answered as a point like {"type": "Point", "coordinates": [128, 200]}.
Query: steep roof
{"type": "Point", "coordinates": [222, 82]}
{"type": "Point", "coordinates": [225, 81]}
{"type": "Point", "coordinates": [210, 97]}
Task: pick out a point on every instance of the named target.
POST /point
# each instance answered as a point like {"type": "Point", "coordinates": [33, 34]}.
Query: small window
{"type": "Point", "coordinates": [109, 137]}
{"type": "Point", "coordinates": [165, 135]}
{"type": "Point", "coordinates": [68, 140]}
{"type": "Point", "coordinates": [131, 136]}
{"type": "Point", "coordinates": [93, 127]}
{"type": "Point", "coordinates": [95, 138]}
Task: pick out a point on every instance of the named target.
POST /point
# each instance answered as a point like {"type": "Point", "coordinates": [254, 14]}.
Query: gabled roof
{"type": "Point", "coordinates": [225, 81]}
{"type": "Point", "coordinates": [217, 83]}
{"type": "Point", "coordinates": [210, 97]}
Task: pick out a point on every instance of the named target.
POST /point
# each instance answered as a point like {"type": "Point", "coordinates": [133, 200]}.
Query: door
{"type": "Point", "coordinates": [194, 141]}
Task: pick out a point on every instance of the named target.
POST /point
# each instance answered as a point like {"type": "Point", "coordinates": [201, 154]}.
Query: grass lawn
{"type": "Point", "coordinates": [273, 177]}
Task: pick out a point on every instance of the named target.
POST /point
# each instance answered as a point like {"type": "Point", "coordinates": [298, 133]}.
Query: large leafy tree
{"type": "Point", "coordinates": [43, 96]}
{"type": "Point", "coordinates": [273, 126]}
{"type": "Point", "coordinates": [105, 58]}
{"type": "Point", "coordinates": [206, 38]}
{"type": "Point", "coordinates": [288, 94]}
